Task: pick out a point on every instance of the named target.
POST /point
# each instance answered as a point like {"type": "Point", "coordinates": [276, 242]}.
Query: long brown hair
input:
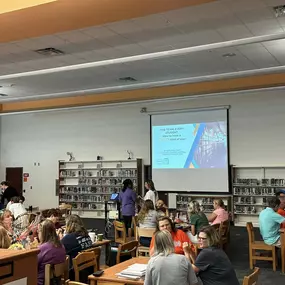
{"type": "Point", "coordinates": [48, 233]}
{"type": "Point", "coordinates": [147, 206]}
{"type": "Point", "coordinates": [5, 241]}
{"type": "Point", "coordinates": [74, 224]}
{"type": "Point", "coordinates": [170, 222]}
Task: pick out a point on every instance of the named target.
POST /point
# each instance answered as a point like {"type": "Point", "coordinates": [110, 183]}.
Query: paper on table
{"type": "Point", "coordinates": [138, 267]}
{"type": "Point", "coordinates": [22, 281]}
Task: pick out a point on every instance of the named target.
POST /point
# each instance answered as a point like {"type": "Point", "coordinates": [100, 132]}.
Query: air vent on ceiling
{"type": "Point", "coordinates": [230, 54]}
{"type": "Point", "coordinates": [127, 79]}
{"type": "Point", "coordinates": [49, 51]}
{"type": "Point", "coordinates": [3, 95]}
{"type": "Point", "coordinates": [279, 11]}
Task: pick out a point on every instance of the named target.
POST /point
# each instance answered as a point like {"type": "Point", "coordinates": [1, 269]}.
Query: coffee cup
{"type": "Point", "coordinates": [92, 236]}
{"type": "Point", "coordinates": [100, 237]}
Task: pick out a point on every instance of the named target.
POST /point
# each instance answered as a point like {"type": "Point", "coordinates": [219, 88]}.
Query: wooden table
{"type": "Point", "coordinates": [17, 265]}
{"type": "Point", "coordinates": [101, 242]}
{"type": "Point", "coordinates": [109, 274]}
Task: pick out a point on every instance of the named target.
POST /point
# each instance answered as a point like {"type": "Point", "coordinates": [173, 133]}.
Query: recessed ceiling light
{"type": "Point", "coordinates": [279, 11]}
{"type": "Point", "coordinates": [128, 78]}
{"type": "Point", "coordinates": [230, 54]}
{"type": "Point", "coordinates": [49, 51]}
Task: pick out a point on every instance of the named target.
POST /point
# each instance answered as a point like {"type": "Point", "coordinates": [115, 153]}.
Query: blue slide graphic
{"type": "Point", "coordinates": [202, 145]}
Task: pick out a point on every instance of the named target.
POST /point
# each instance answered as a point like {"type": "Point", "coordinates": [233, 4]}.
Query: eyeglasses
{"type": "Point", "coordinates": [202, 238]}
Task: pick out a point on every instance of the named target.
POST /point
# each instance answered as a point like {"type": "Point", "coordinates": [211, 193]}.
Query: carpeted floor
{"type": "Point", "coordinates": [238, 254]}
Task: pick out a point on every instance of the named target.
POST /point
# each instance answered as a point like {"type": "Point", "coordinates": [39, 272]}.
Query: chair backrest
{"type": "Point", "coordinates": [133, 229]}
{"type": "Point", "coordinates": [144, 232]}
{"type": "Point", "coordinates": [82, 261]}
{"type": "Point", "coordinates": [224, 229]}
{"type": "Point", "coordinates": [120, 232]}
{"type": "Point", "coordinates": [97, 251]}
{"type": "Point", "coordinates": [250, 232]}
{"type": "Point", "coordinates": [128, 248]}
{"type": "Point", "coordinates": [252, 278]}
{"type": "Point", "coordinates": [57, 271]}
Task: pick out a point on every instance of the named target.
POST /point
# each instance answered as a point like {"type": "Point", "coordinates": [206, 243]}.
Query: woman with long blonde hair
{"type": "Point", "coordinates": [147, 218]}
{"type": "Point", "coordinates": [5, 241]}
{"type": "Point", "coordinates": [197, 220]}
{"type": "Point", "coordinates": [75, 240]}
{"type": "Point", "coordinates": [167, 268]}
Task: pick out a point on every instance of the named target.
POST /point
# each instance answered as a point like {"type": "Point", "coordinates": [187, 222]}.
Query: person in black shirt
{"type": "Point", "coordinates": [9, 192]}
{"type": "Point", "coordinates": [212, 264]}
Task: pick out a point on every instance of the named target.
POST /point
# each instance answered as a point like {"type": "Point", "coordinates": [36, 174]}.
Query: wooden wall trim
{"type": "Point", "coordinates": [191, 89]}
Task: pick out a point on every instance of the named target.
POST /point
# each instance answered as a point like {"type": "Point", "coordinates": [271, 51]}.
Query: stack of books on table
{"type": "Point", "coordinates": [135, 272]}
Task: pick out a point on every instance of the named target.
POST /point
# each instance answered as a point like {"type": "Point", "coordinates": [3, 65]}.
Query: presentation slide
{"type": "Point", "coordinates": [190, 151]}
{"type": "Point", "coordinates": [202, 145]}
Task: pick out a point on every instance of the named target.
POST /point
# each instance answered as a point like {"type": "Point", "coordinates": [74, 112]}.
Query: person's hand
{"type": "Point", "coordinates": [186, 248]}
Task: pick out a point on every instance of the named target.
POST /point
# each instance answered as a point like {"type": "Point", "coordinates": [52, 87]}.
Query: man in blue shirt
{"type": "Point", "coordinates": [270, 221]}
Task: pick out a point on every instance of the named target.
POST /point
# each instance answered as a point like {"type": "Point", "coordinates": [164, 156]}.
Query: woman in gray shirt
{"type": "Point", "coordinates": [167, 268]}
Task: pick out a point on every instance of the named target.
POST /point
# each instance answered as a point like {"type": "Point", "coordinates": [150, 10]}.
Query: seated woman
{"type": "Point", "coordinates": [220, 214]}
{"type": "Point", "coordinates": [5, 241]}
{"type": "Point", "coordinates": [178, 236]}
{"type": "Point", "coordinates": [75, 240]}
{"type": "Point", "coordinates": [162, 209]}
{"type": "Point", "coordinates": [147, 218]}
{"type": "Point", "coordinates": [167, 268]}
{"type": "Point", "coordinates": [212, 264]}
{"type": "Point", "coordinates": [197, 220]}
{"type": "Point", "coordinates": [51, 250]}
{"type": "Point", "coordinates": [6, 220]}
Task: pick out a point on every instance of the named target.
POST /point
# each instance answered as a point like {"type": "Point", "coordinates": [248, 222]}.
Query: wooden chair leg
{"type": "Point", "coordinates": [253, 254]}
{"type": "Point", "coordinates": [250, 258]}
{"type": "Point", "coordinates": [274, 258]}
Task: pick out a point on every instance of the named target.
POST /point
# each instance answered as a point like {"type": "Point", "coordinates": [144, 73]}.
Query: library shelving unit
{"type": "Point", "coordinates": [205, 201]}
{"type": "Point", "coordinates": [252, 187]}
{"type": "Point", "coordinates": [87, 185]}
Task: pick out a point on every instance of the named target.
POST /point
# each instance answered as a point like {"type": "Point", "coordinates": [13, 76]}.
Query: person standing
{"type": "Point", "coordinates": [151, 194]}
{"type": "Point", "coordinates": [127, 198]}
{"type": "Point", "coordinates": [8, 192]}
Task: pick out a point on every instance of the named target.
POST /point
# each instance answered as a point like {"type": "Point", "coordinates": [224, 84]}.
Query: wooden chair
{"type": "Point", "coordinates": [252, 278]}
{"type": "Point", "coordinates": [224, 230]}
{"type": "Point", "coordinates": [120, 232]}
{"type": "Point", "coordinates": [143, 232]}
{"type": "Point", "coordinates": [259, 245]}
{"type": "Point", "coordinates": [128, 248]}
{"type": "Point", "coordinates": [59, 271]}
{"type": "Point", "coordinates": [82, 261]}
{"type": "Point", "coordinates": [97, 251]}
{"type": "Point", "coordinates": [133, 230]}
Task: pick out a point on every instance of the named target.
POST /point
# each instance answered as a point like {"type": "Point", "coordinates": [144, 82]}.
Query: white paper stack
{"type": "Point", "coordinates": [134, 272]}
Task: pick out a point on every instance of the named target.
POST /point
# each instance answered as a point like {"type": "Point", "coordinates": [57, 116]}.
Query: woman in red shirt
{"type": "Point", "coordinates": [178, 236]}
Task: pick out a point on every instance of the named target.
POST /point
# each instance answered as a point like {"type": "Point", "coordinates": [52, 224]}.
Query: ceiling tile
{"type": "Point", "coordinates": [278, 52]}
{"type": "Point", "coordinates": [74, 36]}
{"type": "Point", "coordinates": [265, 27]}
{"type": "Point", "coordinates": [243, 5]}
{"type": "Point", "coordinates": [274, 2]}
{"type": "Point", "coordinates": [256, 15]}
{"type": "Point", "coordinates": [124, 27]}
{"type": "Point", "coordinates": [152, 22]}
{"type": "Point", "coordinates": [30, 44]}
{"type": "Point", "coordinates": [99, 32]}
{"type": "Point", "coordinates": [258, 55]}
{"type": "Point", "coordinates": [116, 40]}
{"type": "Point", "coordinates": [235, 32]}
